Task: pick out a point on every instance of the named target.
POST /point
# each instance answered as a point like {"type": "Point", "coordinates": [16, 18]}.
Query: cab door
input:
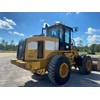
{"type": "Point", "coordinates": [67, 38]}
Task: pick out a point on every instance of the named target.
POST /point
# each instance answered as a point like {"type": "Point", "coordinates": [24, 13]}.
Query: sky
{"type": "Point", "coordinates": [20, 25]}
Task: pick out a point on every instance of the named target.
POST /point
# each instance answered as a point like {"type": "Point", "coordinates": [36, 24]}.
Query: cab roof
{"type": "Point", "coordinates": [59, 24]}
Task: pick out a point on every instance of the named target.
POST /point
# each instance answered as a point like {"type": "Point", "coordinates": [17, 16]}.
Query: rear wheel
{"type": "Point", "coordinates": [86, 65]}
{"type": "Point", "coordinates": [59, 70]}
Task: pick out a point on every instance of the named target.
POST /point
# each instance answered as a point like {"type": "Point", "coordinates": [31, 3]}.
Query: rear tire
{"type": "Point", "coordinates": [59, 70]}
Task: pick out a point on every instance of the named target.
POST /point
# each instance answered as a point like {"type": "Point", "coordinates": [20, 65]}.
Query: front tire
{"type": "Point", "coordinates": [59, 70]}
{"type": "Point", "coordinates": [86, 65]}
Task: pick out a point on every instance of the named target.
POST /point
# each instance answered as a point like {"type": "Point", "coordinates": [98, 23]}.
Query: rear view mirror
{"type": "Point", "coordinates": [75, 29]}
{"type": "Point", "coordinates": [45, 25]}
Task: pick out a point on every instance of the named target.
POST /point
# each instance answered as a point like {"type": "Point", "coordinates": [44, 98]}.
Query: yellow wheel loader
{"type": "Point", "coordinates": [52, 53]}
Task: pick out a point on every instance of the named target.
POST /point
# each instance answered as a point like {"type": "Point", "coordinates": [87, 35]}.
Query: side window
{"type": "Point", "coordinates": [67, 32]}
{"type": "Point", "coordinates": [61, 34]}
{"type": "Point", "coordinates": [67, 38]}
{"type": "Point", "coordinates": [54, 33]}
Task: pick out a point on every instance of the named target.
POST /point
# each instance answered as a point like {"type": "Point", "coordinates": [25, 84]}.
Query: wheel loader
{"type": "Point", "coordinates": [53, 53]}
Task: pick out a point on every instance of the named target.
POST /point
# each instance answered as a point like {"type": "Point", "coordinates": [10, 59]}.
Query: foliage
{"type": "Point", "coordinates": [5, 46]}
{"type": "Point", "coordinates": [94, 47]}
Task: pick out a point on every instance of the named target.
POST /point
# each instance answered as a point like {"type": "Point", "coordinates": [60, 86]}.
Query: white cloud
{"type": "Point", "coordinates": [0, 38]}
{"type": "Point", "coordinates": [10, 21]}
{"type": "Point", "coordinates": [7, 24]}
{"type": "Point", "coordinates": [16, 33]}
{"type": "Point", "coordinates": [77, 40]}
{"type": "Point", "coordinates": [91, 30]}
{"type": "Point", "coordinates": [95, 39]}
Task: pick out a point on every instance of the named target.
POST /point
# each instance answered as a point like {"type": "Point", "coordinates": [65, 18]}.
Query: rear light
{"type": "Point", "coordinates": [40, 49]}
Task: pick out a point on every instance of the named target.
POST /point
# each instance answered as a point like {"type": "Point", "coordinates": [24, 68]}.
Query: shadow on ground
{"type": "Point", "coordinates": [76, 80]}
{"type": "Point", "coordinates": [39, 81]}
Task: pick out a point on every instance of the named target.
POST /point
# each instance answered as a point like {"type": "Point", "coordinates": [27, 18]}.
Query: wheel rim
{"type": "Point", "coordinates": [63, 70]}
{"type": "Point", "coordinates": [88, 65]}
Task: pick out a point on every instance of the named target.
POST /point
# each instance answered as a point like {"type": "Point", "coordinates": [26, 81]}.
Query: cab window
{"type": "Point", "coordinates": [67, 35]}
{"type": "Point", "coordinates": [67, 38]}
{"type": "Point", "coordinates": [53, 32]}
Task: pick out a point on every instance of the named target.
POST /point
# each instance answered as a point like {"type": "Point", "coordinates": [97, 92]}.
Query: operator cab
{"type": "Point", "coordinates": [62, 32]}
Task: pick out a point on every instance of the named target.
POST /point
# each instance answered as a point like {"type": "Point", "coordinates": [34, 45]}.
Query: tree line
{"type": "Point", "coordinates": [93, 47]}
{"type": "Point", "coordinates": [86, 48]}
{"type": "Point", "coordinates": [5, 46]}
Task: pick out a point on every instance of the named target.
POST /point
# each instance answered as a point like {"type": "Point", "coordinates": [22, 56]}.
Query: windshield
{"type": "Point", "coordinates": [53, 32]}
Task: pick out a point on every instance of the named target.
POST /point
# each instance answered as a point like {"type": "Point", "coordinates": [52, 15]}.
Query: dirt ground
{"type": "Point", "coordinates": [13, 76]}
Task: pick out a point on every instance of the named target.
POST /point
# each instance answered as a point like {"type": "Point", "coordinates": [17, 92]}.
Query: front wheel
{"type": "Point", "coordinates": [59, 70]}
{"type": "Point", "coordinates": [86, 65]}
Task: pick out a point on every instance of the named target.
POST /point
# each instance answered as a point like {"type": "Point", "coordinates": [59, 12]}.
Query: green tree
{"type": "Point", "coordinates": [93, 47]}
{"type": "Point", "coordinates": [1, 47]}
{"type": "Point", "coordinates": [11, 45]}
{"type": "Point", "coordinates": [97, 48]}
{"type": "Point", "coordinates": [86, 48]}
{"type": "Point", "coordinates": [3, 44]}
{"type": "Point", "coordinates": [12, 42]}
{"type": "Point", "coordinates": [80, 44]}
{"type": "Point", "coordinates": [6, 46]}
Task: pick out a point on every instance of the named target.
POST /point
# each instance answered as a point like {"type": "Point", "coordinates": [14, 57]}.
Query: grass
{"type": "Point", "coordinates": [8, 51]}
{"type": "Point", "coordinates": [82, 52]}
{"type": "Point", "coordinates": [97, 53]}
